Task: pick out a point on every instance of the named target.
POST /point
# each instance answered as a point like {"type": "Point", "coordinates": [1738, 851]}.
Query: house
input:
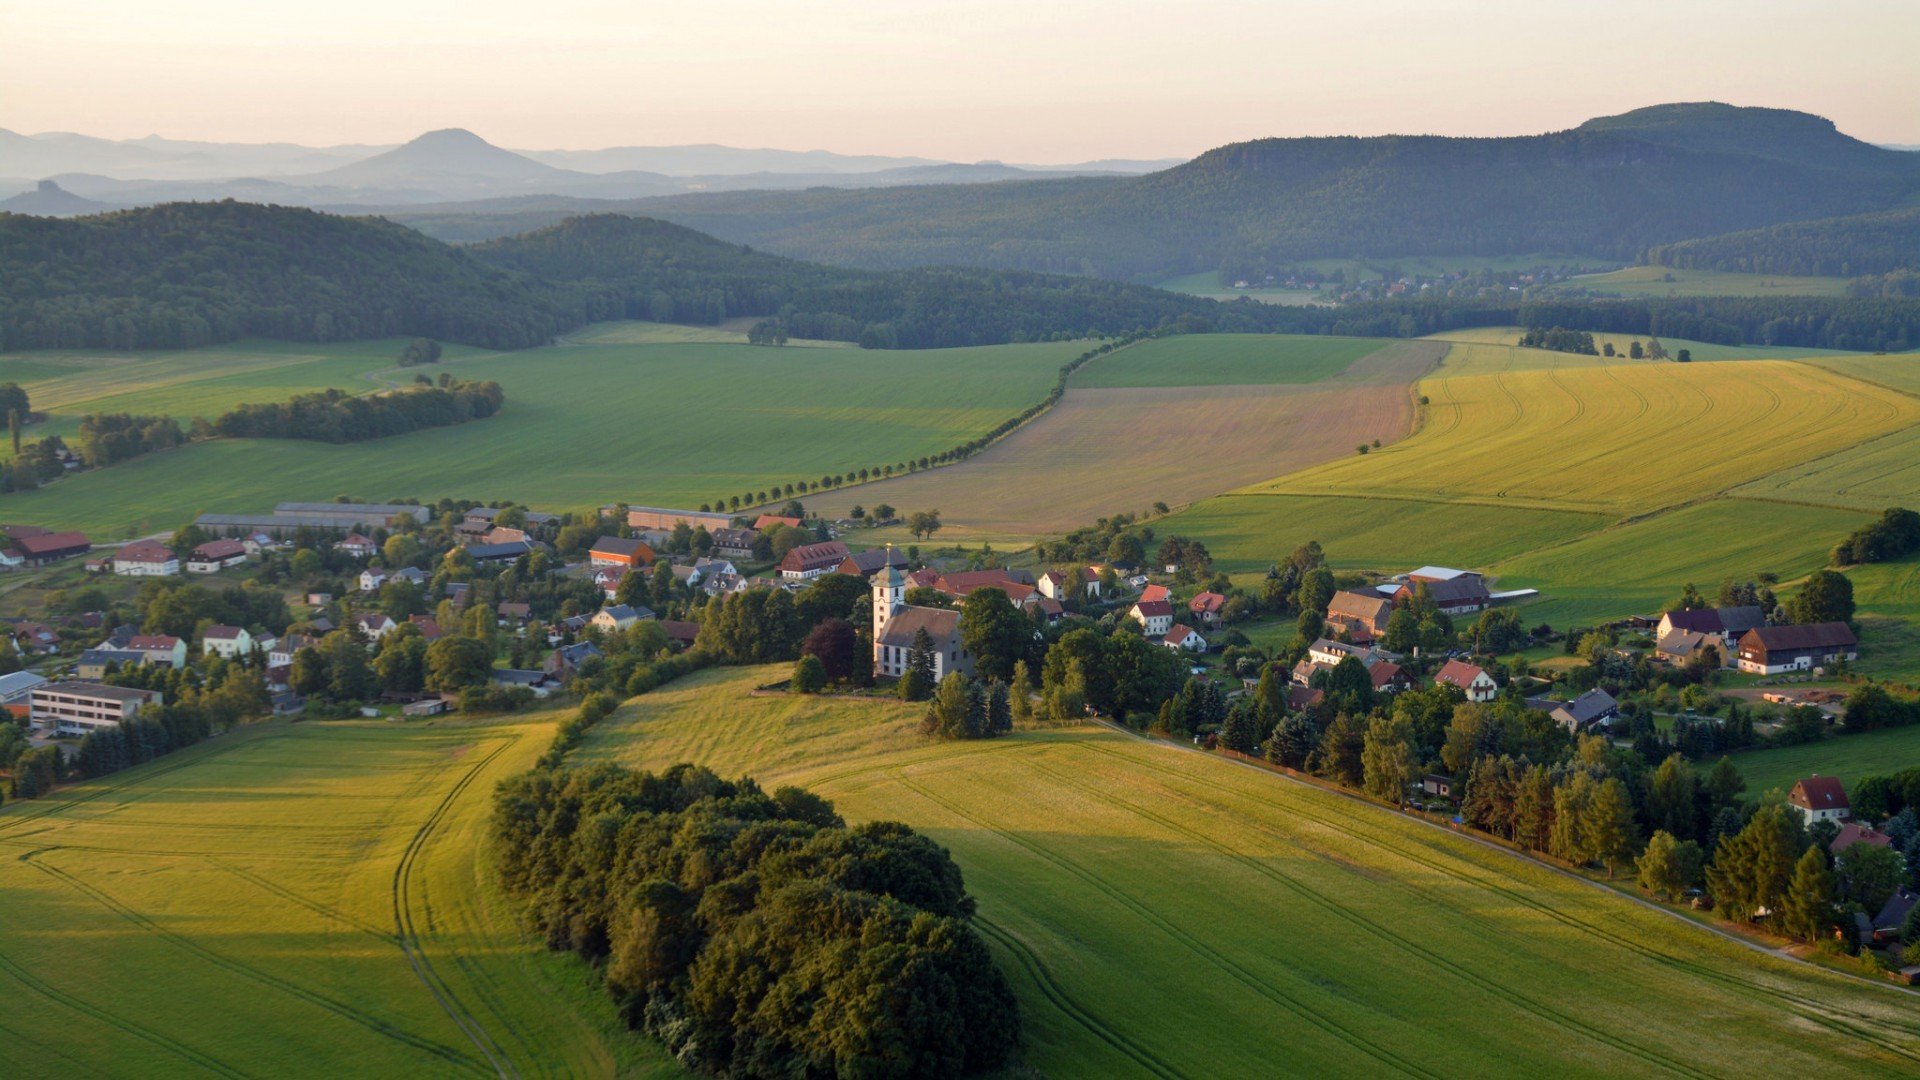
{"type": "Point", "coordinates": [1820, 798]}
{"type": "Point", "coordinates": [159, 649]}
{"type": "Point", "coordinates": [375, 625]}
{"type": "Point", "coordinates": [1893, 917]}
{"type": "Point", "coordinates": [281, 655]}
{"type": "Point", "coordinates": [619, 617]}
{"type": "Point", "coordinates": [501, 553]}
{"type": "Point", "coordinates": [561, 662]}
{"type": "Point", "coordinates": [428, 626]}
{"type": "Point", "coordinates": [432, 706]}
{"type": "Point", "coordinates": [1435, 784]}
{"type": "Point", "coordinates": [896, 624]}
{"type": "Point", "coordinates": [146, 558]}
{"type": "Point", "coordinates": [501, 534]}
{"type": "Point", "coordinates": [1470, 678]}
{"type": "Point", "coordinates": [457, 592]}
{"type": "Point", "coordinates": [1681, 646]}
{"type": "Point", "coordinates": [1303, 697]}
{"type": "Point", "coordinates": [1154, 616]}
{"type": "Point", "coordinates": [1462, 593]}
{"type": "Point", "coordinates": [1853, 832]}
{"type": "Point", "coordinates": [870, 562]}
{"type": "Point", "coordinates": [680, 634]}
{"type": "Point", "coordinates": [42, 548]}
{"type": "Point", "coordinates": [621, 551]}
{"type": "Point", "coordinates": [1017, 584]}
{"type": "Point", "coordinates": [1729, 624]}
{"type": "Point", "coordinates": [537, 681]}
{"type": "Point", "coordinates": [259, 543]}
{"type": "Point", "coordinates": [215, 556]}
{"type": "Point", "coordinates": [1330, 652]}
{"type": "Point", "coordinates": [372, 578]}
{"type": "Point", "coordinates": [1770, 650]}
{"type": "Point", "coordinates": [357, 545]}
{"type": "Point", "coordinates": [33, 638]}
{"type": "Point", "coordinates": [226, 641]}
{"type": "Point", "coordinates": [92, 665]}
{"type": "Point", "coordinates": [1056, 584]}
{"type": "Point", "coordinates": [1155, 592]}
{"type": "Point", "coordinates": [319, 599]}
{"type": "Point", "coordinates": [1389, 677]}
{"type": "Point", "coordinates": [509, 613]}
{"type": "Point", "coordinates": [1184, 637]}
{"type": "Point", "coordinates": [1361, 616]}
{"type": "Point", "coordinates": [412, 575]}
{"type": "Point", "coordinates": [768, 521]}
{"type": "Point", "coordinates": [1207, 607]}
{"type": "Point", "coordinates": [734, 543]}
{"type": "Point", "coordinates": [608, 579]}
{"type": "Point", "coordinates": [654, 517]}
{"type": "Point", "coordinates": [75, 708]}
{"type": "Point", "coordinates": [1591, 709]}
{"type": "Point", "coordinates": [809, 561]}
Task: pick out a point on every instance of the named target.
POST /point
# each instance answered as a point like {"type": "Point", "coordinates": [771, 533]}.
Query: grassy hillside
{"type": "Point", "coordinates": [1662, 281]}
{"type": "Point", "coordinates": [288, 899]}
{"type": "Point", "coordinates": [1139, 894]}
{"type": "Point", "coordinates": [1849, 758]}
{"type": "Point", "coordinates": [1227, 360]}
{"type": "Point", "coordinates": [592, 424]}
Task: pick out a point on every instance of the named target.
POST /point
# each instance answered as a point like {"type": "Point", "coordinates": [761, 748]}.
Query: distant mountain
{"type": "Point", "coordinates": [1610, 188]}
{"type": "Point", "coordinates": [51, 200]}
{"type": "Point", "coordinates": [35, 157]}
{"type": "Point", "coordinates": [1835, 247]}
{"type": "Point", "coordinates": [714, 160]}
{"type": "Point", "coordinates": [438, 158]}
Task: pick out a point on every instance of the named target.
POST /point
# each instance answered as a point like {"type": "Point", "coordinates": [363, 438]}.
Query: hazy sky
{"type": "Point", "coordinates": [1039, 80]}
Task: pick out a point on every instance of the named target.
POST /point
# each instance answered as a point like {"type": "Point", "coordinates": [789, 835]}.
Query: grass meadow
{"type": "Point", "coordinates": [1848, 757]}
{"type": "Point", "coordinates": [586, 425]}
{"type": "Point", "coordinates": [1208, 285]}
{"type": "Point", "coordinates": [1662, 281]}
{"type": "Point", "coordinates": [1163, 912]}
{"type": "Point", "coordinates": [289, 899]}
{"type": "Point", "coordinates": [1227, 360]}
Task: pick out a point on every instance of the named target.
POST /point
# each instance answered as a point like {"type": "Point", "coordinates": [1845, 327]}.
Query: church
{"type": "Point", "coordinates": [895, 622]}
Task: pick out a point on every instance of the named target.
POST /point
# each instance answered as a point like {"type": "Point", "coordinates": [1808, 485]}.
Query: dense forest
{"type": "Point", "coordinates": [1610, 188]}
{"type": "Point", "coordinates": [757, 934]}
{"type": "Point", "coordinates": [614, 267]}
{"type": "Point", "coordinates": [1856, 246]}
{"type": "Point", "coordinates": [190, 274]}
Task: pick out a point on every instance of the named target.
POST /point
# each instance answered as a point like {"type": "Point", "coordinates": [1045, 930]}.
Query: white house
{"type": "Point", "coordinates": [1820, 798]}
{"type": "Point", "coordinates": [1330, 652]}
{"type": "Point", "coordinates": [1184, 637]}
{"type": "Point", "coordinates": [146, 558]}
{"type": "Point", "coordinates": [226, 641]}
{"type": "Point", "coordinates": [372, 578]}
{"type": "Point", "coordinates": [1154, 616]}
{"type": "Point", "coordinates": [215, 556]}
{"type": "Point", "coordinates": [357, 545]}
{"type": "Point", "coordinates": [159, 649]}
{"type": "Point", "coordinates": [1470, 678]}
{"type": "Point", "coordinates": [374, 624]}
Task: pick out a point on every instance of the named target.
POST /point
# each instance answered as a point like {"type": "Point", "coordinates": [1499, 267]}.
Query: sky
{"type": "Point", "coordinates": [1029, 81]}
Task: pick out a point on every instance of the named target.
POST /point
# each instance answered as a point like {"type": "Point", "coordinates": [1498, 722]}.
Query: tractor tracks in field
{"type": "Point", "coordinates": [1225, 963]}
{"type": "Point", "coordinates": [1810, 1010]}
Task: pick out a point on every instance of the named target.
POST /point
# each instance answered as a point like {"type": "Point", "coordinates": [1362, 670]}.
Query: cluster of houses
{"type": "Point", "coordinates": [1741, 638]}
{"type": "Point", "coordinates": [1824, 798]}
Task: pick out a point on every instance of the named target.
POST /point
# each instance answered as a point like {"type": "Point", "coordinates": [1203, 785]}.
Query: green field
{"type": "Point", "coordinates": [1249, 532]}
{"type": "Point", "coordinates": [1848, 757]}
{"type": "Point", "coordinates": [289, 899]}
{"type": "Point", "coordinates": [1696, 350]}
{"type": "Point", "coordinates": [585, 425]}
{"type": "Point", "coordinates": [1635, 568]}
{"type": "Point", "coordinates": [1208, 285]}
{"type": "Point", "coordinates": [1662, 281]}
{"type": "Point", "coordinates": [1162, 912]}
{"type": "Point", "coordinates": [1227, 360]}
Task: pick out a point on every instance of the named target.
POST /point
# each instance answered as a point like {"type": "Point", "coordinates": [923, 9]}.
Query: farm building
{"type": "Point", "coordinates": [17, 686]}
{"type": "Point", "coordinates": [896, 623]}
{"type": "Point", "coordinates": [734, 543]}
{"type": "Point", "coordinates": [1362, 615]}
{"type": "Point", "coordinates": [1680, 646]}
{"type": "Point", "coordinates": [1820, 798]}
{"type": "Point", "coordinates": [809, 561]}
{"type": "Point", "coordinates": [1470, 678]}
{"type": "Point", "coordinates": [1463, 593]}
{"type": "Point", "coordinates": [39, 549]}
{"type": "Point", "coordinates": [870, 562]}
{"type": "Point", "coordinates": [1771, 650]}
{"type": "Point", "coordinates": [146, 558]}
{"type": "Point", "coordinates": [501, 553]}
{"type": "Point", "coordinates": [216, 555]}
{"type": "Point", "coordinates": [620, 551]}
{"type": "Point", "coordinates": [654, 517]}
{"type": "Point", "coordinates": [1729, 624]}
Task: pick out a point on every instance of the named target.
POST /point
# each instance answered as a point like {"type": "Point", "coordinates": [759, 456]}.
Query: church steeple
{"type": "Point", "coordinates": [889, 593]}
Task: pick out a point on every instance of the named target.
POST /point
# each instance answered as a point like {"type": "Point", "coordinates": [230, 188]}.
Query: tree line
{"type": "Point", "coordinates": [756, 933]}
{"type": "Point", "coordinates": [1855, 246]}
{"type": "Point", "coordinates": [335, 416]}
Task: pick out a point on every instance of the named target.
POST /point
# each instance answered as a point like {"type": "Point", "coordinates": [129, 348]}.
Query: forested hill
{"type": "Point", "coordinates": [1610, 188]}
{"type": "Point", "coordinates": [614, 267]}
{"type": "Point", "coordinates": [1836, 247]}
{"type": "Point", "coordinates": [188, 274]}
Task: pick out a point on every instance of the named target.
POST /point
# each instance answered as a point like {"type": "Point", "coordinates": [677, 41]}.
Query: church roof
{"type": "Point", "coordinates": [941, 624]}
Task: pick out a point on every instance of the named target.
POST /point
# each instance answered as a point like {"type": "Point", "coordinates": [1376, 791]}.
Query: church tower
{"type": "Point", "coordinates": [889, 596]}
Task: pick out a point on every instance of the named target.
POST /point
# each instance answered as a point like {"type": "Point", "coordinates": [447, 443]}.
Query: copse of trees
{"type": "Point", "coordinates": [1895, 534]}
{"type": "Point", "coordinates": [336, 416]}
{"type": "Point", "coordinates": [757, 934]}
{"type": "Point", "coordinates": [1561, 340]}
